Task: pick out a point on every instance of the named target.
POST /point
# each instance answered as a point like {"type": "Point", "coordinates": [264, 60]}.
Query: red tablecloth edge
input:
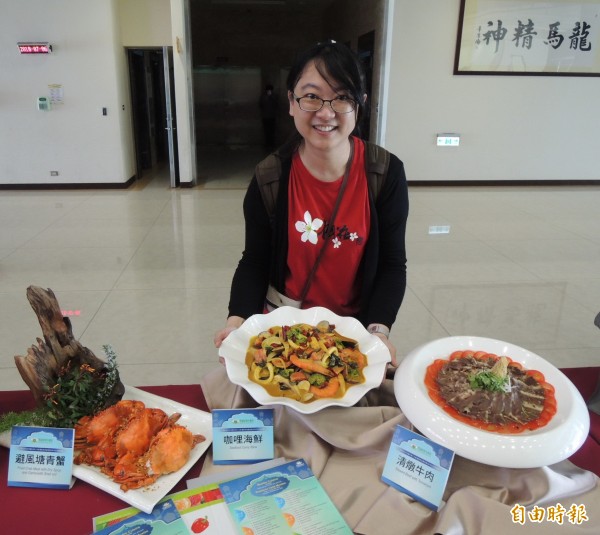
{"type": "Point", "coordinates": [584, 379]}
{"type": "Point", "coordinates": [17, 504]}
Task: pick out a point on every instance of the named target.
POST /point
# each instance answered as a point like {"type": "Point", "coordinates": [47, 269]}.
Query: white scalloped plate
{"type": "Point", "coordinates": [558, 440]}
{"type": "Point", "coordinates": [234, 348]}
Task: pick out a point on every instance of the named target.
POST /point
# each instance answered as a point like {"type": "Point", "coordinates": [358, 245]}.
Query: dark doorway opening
{"type": "Point", "coordinates": [366, 53]}
{"type": "Point", "coordinates": [240, 47]}
{"type": "Point", "coordinates": [149, 109]}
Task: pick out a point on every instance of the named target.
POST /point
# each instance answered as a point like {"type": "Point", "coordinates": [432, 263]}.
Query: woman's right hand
{"type": "Point", "coordinates": [222, 334]}
{"type": "Point", "coordinates": [233, 322]}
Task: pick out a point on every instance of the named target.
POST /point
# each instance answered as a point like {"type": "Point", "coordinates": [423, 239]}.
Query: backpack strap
{"type": "Point", "coordinates": [377, 161]}
{"type": "Point", "coordinates": [268, 171]}
{"type": "Point", "coordinates": [267, 174]}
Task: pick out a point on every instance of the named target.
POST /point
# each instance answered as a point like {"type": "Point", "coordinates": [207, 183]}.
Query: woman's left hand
{"type": "Point", "coordinates": [391, 348]}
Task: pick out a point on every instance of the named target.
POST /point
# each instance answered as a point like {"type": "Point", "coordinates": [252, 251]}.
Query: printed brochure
{"type": "Point", "coordinates": [202, 510]}
{"type": "Point", "coordinates": [287, 499]}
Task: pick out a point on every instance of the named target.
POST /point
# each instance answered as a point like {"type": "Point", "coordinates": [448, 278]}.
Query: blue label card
{"type": "Point", "coordinates": [41, 457]}
{"type": "Point", "coordinates": [418, 467]}
{"type": "Point", "coordinates": [242, 435]}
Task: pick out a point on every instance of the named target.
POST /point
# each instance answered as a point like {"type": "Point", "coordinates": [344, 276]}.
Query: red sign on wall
{"type": "Point", "coordinates": [34, 48]}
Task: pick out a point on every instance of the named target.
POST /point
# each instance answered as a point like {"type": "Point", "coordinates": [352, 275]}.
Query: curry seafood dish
{"type": "Point", "coordinates": [305, 362]}
{"type": "Point", "coordinates": [491, 392]}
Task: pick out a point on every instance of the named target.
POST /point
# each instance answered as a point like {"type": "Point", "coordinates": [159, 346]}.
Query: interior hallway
{"type": "Point", "coordinates": [147, 269]}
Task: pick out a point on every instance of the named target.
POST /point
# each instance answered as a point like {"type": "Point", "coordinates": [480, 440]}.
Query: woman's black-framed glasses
{"type": "Point", "coordinates": [339, 104]}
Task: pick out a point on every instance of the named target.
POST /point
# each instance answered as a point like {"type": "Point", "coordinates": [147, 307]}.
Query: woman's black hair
{"type": "Point", "coordinates": [339, 66]}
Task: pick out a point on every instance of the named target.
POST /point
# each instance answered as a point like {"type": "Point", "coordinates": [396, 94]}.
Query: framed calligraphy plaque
{"type": "Point", "coordinates": [526, 38]}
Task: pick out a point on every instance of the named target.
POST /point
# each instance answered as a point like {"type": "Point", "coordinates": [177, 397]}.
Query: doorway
{"type": "Point", "coordinates": [153, 111]}
{"type": "Point", "coordinates": [366, 53]}
{"type": "Point", "coordinates": [240, 47]}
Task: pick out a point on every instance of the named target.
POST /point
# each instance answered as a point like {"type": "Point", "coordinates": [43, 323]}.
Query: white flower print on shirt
{"type": "Point", "coordinates": [309, 228]}
{"type": "Point", "coordinates": [336, 242]}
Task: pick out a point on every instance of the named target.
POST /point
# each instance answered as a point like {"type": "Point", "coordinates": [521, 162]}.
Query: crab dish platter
{"type": "Point", "coordinates": [145, 492]}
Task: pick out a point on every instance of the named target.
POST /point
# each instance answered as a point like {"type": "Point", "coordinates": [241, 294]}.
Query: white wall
{"type": "Point", "coordinates": [74, 138]}
{"type": "Point", "coordinates": [158, 23]}
{"type": "Point", "coordinates": [182, 73]}
{"type": "Point", "coordinates": [145, 22]}
{"type": "Point", "coordinates": [512, 127]}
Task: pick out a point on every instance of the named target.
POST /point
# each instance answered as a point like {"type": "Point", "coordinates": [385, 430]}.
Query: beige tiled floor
{"type": "Point", "coordinates": [147, 270]}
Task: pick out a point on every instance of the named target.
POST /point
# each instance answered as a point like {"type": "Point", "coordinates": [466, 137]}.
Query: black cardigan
{"type": "Point", "coordinates": [383, 267]}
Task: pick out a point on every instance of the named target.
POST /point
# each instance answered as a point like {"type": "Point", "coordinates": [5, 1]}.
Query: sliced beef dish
{"type": "Point", "coordinates": [522, 402]}
{"type": "Point", "coordinates": [491, 393]}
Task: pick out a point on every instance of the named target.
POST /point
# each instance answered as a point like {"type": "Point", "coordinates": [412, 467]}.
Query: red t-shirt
{"type": "Point", "coordinates": [336, 282]}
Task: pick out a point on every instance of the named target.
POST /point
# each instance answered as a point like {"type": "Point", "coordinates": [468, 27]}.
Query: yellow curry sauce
{"type": "Point", "coordinates": [305, 362]}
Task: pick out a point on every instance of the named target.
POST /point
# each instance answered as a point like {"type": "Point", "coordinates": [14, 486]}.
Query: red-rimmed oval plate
{"type": "Point", "coordinates": [562, 436]}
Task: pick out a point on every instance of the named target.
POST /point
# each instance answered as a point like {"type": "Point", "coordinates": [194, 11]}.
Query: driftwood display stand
{"type": "Point", "coordinates": [40, 367]}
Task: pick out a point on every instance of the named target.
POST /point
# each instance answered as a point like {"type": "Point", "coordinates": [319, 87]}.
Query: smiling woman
{"type": "Point", "coordinates": [321, 126]}
{"type": "Point", "coordinates": [328, 239]}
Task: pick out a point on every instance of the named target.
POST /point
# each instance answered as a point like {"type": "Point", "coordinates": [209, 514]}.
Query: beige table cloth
{"type": "Point", "coordinates": [347, 449]}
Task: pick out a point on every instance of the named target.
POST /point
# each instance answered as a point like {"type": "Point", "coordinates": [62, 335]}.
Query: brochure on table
{"type": "Point", "coordinates": [163, 520]}
{"type": "Point", "coordinates": [287, 499]}
{"type": "Point", "coordinates": [202, 506]}
{"type": "Point", "coordinates": [226, 473]}
{"type": "Point", "coordinates": [41, 457]}
{"type": "Point", "coordinates": [242, 435]}
{"type": "Point", "coordinates": [418, 467]}
{"type": "Point", "coordinates": [202, 510]}
{"type": "Point", "coordinates": [272, 497]}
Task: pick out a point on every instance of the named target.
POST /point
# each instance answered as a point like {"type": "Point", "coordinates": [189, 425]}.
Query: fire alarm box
{"type": "Point", "coordinates": [43, 103]}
